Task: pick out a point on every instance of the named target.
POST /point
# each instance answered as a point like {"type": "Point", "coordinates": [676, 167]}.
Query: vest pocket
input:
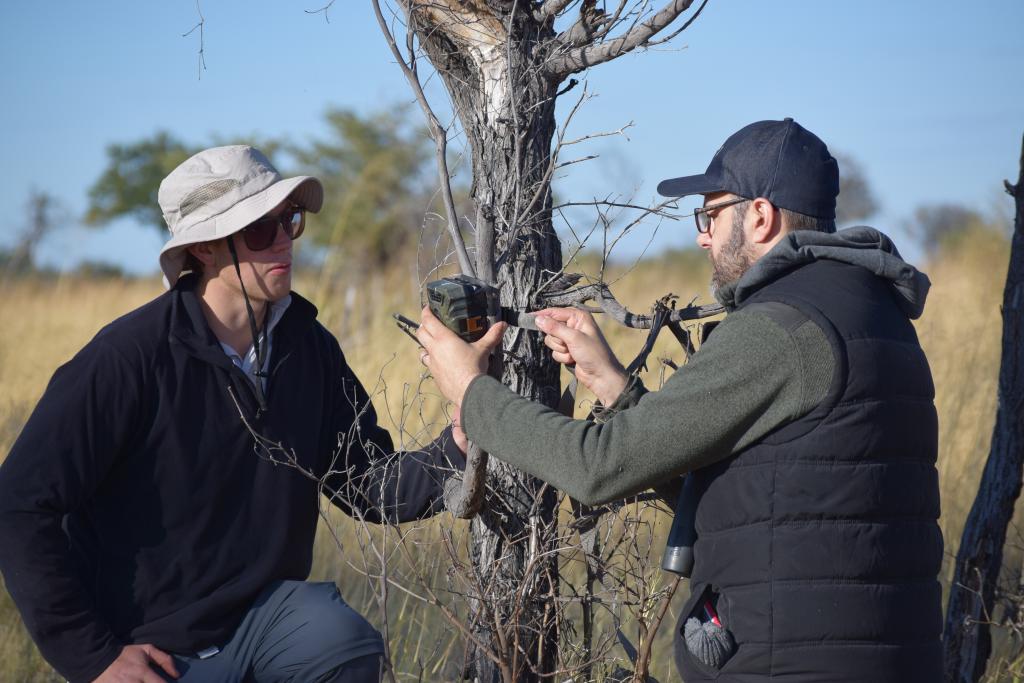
{"type": "Point", "coordinates": [703, 643]}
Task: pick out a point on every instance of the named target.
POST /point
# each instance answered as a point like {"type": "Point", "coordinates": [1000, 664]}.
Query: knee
{"type": "Point", "coordinates": [329, 632]}
{"type": "Point", "coordinates": [368, 669]}
{"type": "Point", "coordinates": [336, 620]}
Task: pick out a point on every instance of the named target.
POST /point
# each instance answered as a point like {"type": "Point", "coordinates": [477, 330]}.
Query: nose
{"type": "Point", "coordinates": [281, 241]}
{"type": "Point", "coordinates": [704, 240]}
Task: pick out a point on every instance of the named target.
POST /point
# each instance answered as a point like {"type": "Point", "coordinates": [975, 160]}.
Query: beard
{"type": "Point", "coordinates": [734, 260]}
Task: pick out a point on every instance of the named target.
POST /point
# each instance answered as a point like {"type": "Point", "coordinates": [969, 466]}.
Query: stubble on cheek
{"type": "Point", "coordinates": [732, 262]}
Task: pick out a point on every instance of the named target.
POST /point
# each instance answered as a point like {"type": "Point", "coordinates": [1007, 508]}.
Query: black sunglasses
{"type": "Point", "coordinates": [261, 233]}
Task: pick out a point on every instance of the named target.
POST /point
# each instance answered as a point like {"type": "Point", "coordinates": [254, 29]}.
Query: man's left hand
{"type": "Point", "coordinates": [453, 362]}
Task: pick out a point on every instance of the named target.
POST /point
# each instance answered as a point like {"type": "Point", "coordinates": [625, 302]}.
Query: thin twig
{"type": "Point", "coordinates": [202, 40]}
{"type": "Point", "coordinates": [440, 142]}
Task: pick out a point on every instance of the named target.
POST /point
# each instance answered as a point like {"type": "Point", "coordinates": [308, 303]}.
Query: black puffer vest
{"type": "Point", "coordinates": [819, 546]}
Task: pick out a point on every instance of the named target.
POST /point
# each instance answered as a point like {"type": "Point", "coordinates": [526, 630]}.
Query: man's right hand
{"type": "Point", "coordinates": [575, 339]}
{"type": "Point", "coordinates": [133, 665]}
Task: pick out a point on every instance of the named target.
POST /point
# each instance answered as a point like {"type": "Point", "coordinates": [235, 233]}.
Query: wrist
{"type": "Point", "coordinates": [464, 387]}
{"type": "Point", "coordinates": [610, 389]}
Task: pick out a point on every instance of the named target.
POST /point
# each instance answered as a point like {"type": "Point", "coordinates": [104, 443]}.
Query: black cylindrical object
{"type": "Point", "coordinates": [678, 557]}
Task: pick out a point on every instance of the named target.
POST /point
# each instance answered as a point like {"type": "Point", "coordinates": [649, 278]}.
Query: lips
{"type": "Point", "coordinates": [280, 268]}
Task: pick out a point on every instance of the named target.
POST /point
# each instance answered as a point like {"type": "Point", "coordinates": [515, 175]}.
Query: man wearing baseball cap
{"type": "Point", "coordinates": [157, 512]}
{"type": "Point", "coordinates": [806, 420]}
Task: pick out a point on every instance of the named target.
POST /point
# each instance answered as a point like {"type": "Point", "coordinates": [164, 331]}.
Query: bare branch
{"type": "Point", "coordinates": [440, 136]}
{"type": "Point", "coordinates": [323, 10]}
{"type": "Point", "coordinates": [591, 22]}
{"type": "Point", "coordinates": [464, 496]}
{"type": "Point", "coordinates": [609, 304]}
{"type": "Point", "coordinates": [552, 8]}
{"type": "Point", "coordinates": [200, 25]}
{"type": "Point", "coordinates": [655, 210]}
{"type": "Point", "coordinates": [612, 22]}
{"type": "Point", "coordinates": [643, 661]}
{"type": "Point", "coordinates": [682, 28]}
{"type": "Point", "coordinates": [580, 160]}
{"type": "Point", "coordinates": [544, 186]}
{"type": "Point", "coordinates": [580, 58]}
{"type": "Point", "coordinates": [603, 134]}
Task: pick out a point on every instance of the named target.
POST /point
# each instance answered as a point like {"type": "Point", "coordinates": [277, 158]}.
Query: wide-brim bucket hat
{"type": "Point", "coordinates": [219, 191]}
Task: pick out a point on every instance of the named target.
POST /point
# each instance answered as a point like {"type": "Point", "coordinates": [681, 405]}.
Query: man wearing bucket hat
{"type": "Point", "coordinates": [157, 512]}
{"type": "Point", "coordinates": [806, 420]}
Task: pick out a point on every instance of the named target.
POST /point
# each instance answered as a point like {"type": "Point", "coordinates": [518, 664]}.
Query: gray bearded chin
{"type": "Point", "coordinates": [733, 262]}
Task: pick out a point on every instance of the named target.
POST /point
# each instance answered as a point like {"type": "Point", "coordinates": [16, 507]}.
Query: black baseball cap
{"type": "Point", "coordinates": [779, 160]}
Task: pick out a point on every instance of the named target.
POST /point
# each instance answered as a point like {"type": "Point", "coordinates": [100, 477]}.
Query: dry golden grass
{"type": "Point", "coordinates": [46, 322]}
{"type": "Point", "coordinates": [961, 333]}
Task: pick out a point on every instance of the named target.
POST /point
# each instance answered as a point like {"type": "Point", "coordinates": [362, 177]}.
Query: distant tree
{"type": "Point", "coordinates": [100, 270]}
{"type": "Point", "coordinates": [129, 184]}
{"type": "Point", "coordinates": [856, 201]}
{"type": "Point", "coordinates": [942, 226]}
{"type": "Point", "coordinates": [42, 211]}
{"type": "Point", "coordinates": [375, 171]}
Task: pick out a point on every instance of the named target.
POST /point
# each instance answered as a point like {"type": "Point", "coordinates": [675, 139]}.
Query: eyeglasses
{"type": "Point", "coordinates": [703, 219]}
{"type": "Point", "coordinates": [262, 233]}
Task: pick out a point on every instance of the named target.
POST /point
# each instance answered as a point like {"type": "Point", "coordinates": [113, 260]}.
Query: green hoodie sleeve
{"type": "Point", "coordinates": [754, 374]}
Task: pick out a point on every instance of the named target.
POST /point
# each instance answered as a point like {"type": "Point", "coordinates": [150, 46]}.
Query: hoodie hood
{"type": "Point", "coordinates": [859, 246]}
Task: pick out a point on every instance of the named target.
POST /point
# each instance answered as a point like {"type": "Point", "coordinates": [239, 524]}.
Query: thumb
{"type": "Point", "coordinates": [164, 660]}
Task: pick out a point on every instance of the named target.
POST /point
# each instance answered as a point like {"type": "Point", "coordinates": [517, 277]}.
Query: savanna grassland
{"type": "Point", "coordinates": [46, 321]}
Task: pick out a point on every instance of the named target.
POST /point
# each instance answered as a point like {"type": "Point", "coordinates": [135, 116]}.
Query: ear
{"type": "Point", "coordinates": [764, 221]}
{"type": "Point", "coordinates": [204, 253]}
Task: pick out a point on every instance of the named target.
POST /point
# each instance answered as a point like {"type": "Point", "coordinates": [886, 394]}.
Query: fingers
{"type": "Point", "coordinates": [163, 660]}
{"type": "Point", "coordinates": [491, 338]}
{"type": "Point", "coordinates": [552, 326]}
{"type": "Point", "coordinates": [423, 334]}
{"type": "Point", "coordinates": [555, 344]}
{"type": "Point", "coordinates": [428, 332]}
{"type": "Point", "coordinates": [431, 325]}
{"type": "Point", "coordinates": [563, 358]}
{"type": "Point", "coordinates": [428, 328]}
{"type": "Point", "coordinates": [573, 317]}
{"type": "Point", "coordinates": [559, 351]}
{"type": "Point", "coordinates": [560, 313]}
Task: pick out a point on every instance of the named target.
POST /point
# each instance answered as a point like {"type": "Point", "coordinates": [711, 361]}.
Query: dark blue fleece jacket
{"type": "Point", "coordinates": [138, 506]}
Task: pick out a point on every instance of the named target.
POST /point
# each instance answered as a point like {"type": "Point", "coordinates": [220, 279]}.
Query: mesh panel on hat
{"type": "Point", "coordinates": [205, 194]}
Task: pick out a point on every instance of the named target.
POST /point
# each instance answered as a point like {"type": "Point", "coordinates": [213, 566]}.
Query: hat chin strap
{"type": "Point", "coordinates": [260, 373]}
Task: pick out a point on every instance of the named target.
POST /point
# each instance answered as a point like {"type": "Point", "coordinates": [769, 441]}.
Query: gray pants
{"type": "Point", "coordinates": [295, 631]}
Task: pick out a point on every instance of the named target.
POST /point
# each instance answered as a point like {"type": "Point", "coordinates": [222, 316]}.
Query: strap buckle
{"type": "Point", "coordinates": [208, 652]}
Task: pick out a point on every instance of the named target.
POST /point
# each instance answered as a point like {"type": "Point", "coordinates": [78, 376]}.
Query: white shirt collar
{"type": "Point", "coordinates": [248, 362]}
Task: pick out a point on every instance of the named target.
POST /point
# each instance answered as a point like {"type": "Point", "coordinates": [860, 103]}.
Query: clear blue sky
{"type": "Point", "coordinates": [927, 96]}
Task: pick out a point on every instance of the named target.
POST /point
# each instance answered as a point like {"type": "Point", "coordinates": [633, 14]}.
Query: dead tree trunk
{"type": "Point", "coordinates": [968, 641]}
{"type": "Point", "coordinates": [502, 63]}
{"type": "Point", "coordinates": [509, 537]}
{"type": "Point", "coordinates": [509, 120]}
